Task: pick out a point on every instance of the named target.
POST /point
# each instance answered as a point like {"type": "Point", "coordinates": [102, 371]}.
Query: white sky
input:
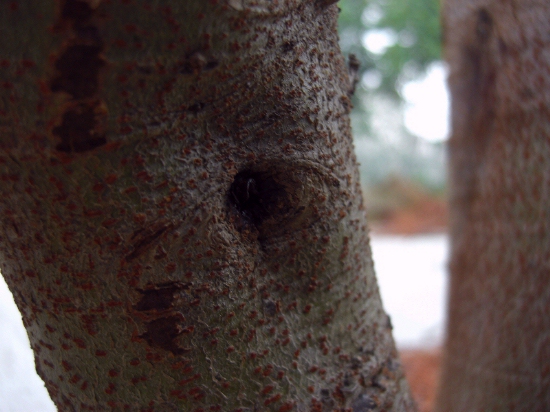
{"type": "Point", "coordinates": [427, 105]}
{"type": "Point", "coordinates": [426, 111]}
{"type": "Point", "coordinates": [377, 41]}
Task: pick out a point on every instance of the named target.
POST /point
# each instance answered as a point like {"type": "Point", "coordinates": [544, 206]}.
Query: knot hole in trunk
{"type": "Point", "coordinates": [270, 199]}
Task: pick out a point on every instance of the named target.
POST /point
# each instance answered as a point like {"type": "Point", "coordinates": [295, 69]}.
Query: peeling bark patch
{"type": "Point", "coordinates": [78, 69]}
{"type": "Point", "coordinates": [78, 11]}
{"type": "Point", "coordinates": [162, 333]}
{"type": "Point", "coordinates": [159, 297]}
{"type": "Point", "coordinates": [81, 129]}
{"type": "Point", "coordinates": [164, 324]}
{"type": "Point", "coordinates": [156, 299]}
{"type": "Point", "coordinates": [144, 239]}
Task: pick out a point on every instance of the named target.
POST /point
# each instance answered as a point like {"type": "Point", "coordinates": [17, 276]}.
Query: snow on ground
{"type": "Point", "coordinates": [411, 273]}
{"type": "Point", "coordinates": [412, 276]}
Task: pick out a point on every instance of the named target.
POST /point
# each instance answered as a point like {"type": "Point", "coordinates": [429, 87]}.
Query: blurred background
{"type": "Point", "coordinates": [400, 116]}
{"type": "Point", "coordinates": [400, 124]}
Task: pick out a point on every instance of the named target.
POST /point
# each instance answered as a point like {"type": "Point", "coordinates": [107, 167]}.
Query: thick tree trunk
{"type": "Point", "coordinates": [498, 344]}
{"type": "Point", "coordinates": [182, 223]}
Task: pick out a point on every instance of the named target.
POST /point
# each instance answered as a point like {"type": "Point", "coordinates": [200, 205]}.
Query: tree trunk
{"type": "Point", "coordinates": [498, 343]}
{"type": "Point", "coordinates": [182, 221]}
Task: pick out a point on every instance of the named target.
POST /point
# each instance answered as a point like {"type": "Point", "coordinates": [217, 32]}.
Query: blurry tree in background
{"type": "Point", "coordinates": [408, 34]}
{"type": "Point", "coordinates": [395, 41]}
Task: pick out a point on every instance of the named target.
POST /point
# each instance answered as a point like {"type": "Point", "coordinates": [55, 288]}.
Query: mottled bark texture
{"type": "Point", "coordinates": [498, 345]}
{"type": "Point", "coordinates": [181, 218]}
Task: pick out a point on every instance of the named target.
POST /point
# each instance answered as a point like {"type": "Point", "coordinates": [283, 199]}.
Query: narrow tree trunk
{"type": "Point", "coordinates": [182, 222]}
{"type": "Point", "coordinates": [498, 344]}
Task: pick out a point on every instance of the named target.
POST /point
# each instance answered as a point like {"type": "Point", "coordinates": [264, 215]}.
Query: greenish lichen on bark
{"type": "Point", "coordinates": [210, 252]}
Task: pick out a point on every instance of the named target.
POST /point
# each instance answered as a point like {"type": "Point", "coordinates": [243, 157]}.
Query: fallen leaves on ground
{"type": "Point", "coordinates": [422, 371]}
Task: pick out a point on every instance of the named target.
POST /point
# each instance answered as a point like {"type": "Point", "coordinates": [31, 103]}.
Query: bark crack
{"type": "Point", "coordinates": [83, 122]}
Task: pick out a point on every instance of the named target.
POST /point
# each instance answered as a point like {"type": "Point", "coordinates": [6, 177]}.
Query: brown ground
{"type": "Point", "coordinates": [422, 371]}
{"type": "Point", "coordinates": [429, 216]}
{"type": "Point", "coordinates": [403, 207]}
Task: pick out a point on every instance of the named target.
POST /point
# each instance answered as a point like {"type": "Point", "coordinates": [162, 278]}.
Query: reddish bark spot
{"type": "Point", "coordinates": [92, 213]}
{"type": "Point", "coordinates": [28, 64]}
{"type": "Point", "coordinates": [178, 393]}
{"type": "Point", "coordinates": [130, 28]}
{"type": "Point", "coordinates": [136, 379]}
{"type": "Point", "coordinates": [273, 399]}
{"type": "Point", "coordinates": [46, 345]}
{"type": "Point", "coordinates": [109, 222]}
{"type": "Point", "coordinates": [47, 363]}
{"type": "Point", "coordinates": [86, 286]}
{"type": "Point", "coordinates": [80, 343]}
{"type": "Point", "coordinates": [251, 335]}
{"type": "Point", "coordinates": [267, 389]}
{"type": "Point", "coordinates": [74, 379]}
{"type": "Point", "coordinates": [111, 178]}
{"type": "Point", "coordinates": [125, 130]}
{"type": "Point", "coordinates": [189, 380]}
{"type": "Point", "coordinates": [120, 43]}
{"type": "Point", "coordinates": [287, 407]}
{"type": "Point", "coordinates": [110, 389]}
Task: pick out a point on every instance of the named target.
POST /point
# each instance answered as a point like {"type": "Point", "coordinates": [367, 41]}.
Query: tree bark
{"type": "Point", "coordinates": [498, 342]}
{"type": "Point", "coordinates": [182, 222]}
